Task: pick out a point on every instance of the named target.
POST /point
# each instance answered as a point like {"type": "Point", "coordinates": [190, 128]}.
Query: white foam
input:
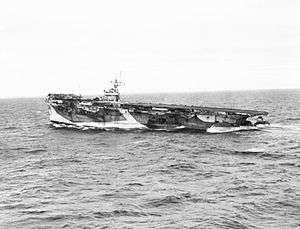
{"type": "Point", "coordinates": [283, 127]}
{"type": "Point", "coordinates": [263, 125]}
{"type": "Point", "coordinates": [180, 127]}
{"type": "Point", "coordinates": [215, 130]}
{"type": "Point", "coordinates": [255, 150]}
{"type": "Point", "coordinates": [61, 125]}
{"type": "Point", "coordinates": [57, 125]}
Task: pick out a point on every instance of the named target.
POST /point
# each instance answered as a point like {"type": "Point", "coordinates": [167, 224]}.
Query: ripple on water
{"type": "Point", "coordinates": [70, 178]}
{"type": "Point", "coordinates": [36, 151]}
{"type": "Point", "coordinates": [122, 213]}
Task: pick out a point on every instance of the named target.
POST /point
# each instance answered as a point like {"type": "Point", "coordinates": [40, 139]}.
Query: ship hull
{"type": "Point", "coordinates": [131, 121]}
{"type": "Point", "coordinates": [106, 115]}
{"type": "Point", "coordinates": [58, 117]}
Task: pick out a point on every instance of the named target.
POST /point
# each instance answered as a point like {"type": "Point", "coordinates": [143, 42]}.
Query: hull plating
{"type": "Point", "coordinates": [128, 123]}
{"type": "Point", "coordinates": [102, 117]}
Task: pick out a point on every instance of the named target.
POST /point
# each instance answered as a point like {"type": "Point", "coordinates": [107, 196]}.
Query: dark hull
{"type": "Point", "coordinates": [103, 114]}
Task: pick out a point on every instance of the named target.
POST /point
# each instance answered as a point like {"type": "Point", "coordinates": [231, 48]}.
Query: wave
{"type": "Point", "coordinates": [217, 130]}
{"type": "Point", "coordinates": [120, 213]}
{"type": "Point", "coordinates": [91, 128]}
{"type": "Point", "coordinates": [10, 128]}
{"type": "Point", "coordinates": [270, 127]}
{"type": "Point", "coordinates": [293, 119]}
{"type": "Point", "coordinates": [135, 184]}
{"type": "Point", "coordinates": [246, 163]}
{"type": "Point", "coordinates": [169, 200]}
{"type": "Point", "coordinates": [284, 126]}
{"type": "Point", "coordinates": [272, 155]}
{"type": "Point", "coordinates": [34, 212]}
{"type": "Point", "coordinates": [61, 125]}
{"type": "Point", "coordinates": [18, 148]}
{"type": "Point", "coordinates": [292, 164]}
{"type": "Point", "coordinates": [182, 166]}
{"type": "Point", "coordinates": [251, 151]}
{"type": "Point", "coordinates": [36, 151]}
{"type": "Point", "coordinates": [211, 130]}
{"type": "Point", "coordinates": [255, 150]}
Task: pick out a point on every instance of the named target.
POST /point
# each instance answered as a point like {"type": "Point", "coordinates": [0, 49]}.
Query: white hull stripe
{"type": "Point", "coordinates": [129, 123]}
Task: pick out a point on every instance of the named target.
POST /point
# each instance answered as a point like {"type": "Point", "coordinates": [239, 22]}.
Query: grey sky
{"type": "Point", "coordinates": [160, 45]}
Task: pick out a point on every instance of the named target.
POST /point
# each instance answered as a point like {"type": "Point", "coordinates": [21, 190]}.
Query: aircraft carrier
{"type": "Point", "coordinates": [110, 112]}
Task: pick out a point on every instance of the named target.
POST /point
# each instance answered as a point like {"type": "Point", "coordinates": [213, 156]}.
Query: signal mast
{"type": "Point", "coordinates": [113, 93]}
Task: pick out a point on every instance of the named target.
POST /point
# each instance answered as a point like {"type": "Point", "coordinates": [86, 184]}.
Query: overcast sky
{"type": "Point", "coordinates": [160, 45]}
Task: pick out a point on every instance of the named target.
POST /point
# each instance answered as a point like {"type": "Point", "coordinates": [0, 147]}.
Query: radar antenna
{"type": "Point", "coordinates": [114, 93]}
{"type": "Point", "coordinates": [116, 83]}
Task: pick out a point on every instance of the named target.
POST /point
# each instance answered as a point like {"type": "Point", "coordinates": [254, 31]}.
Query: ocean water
{"type": "Point", "coordinates": [67, 178]}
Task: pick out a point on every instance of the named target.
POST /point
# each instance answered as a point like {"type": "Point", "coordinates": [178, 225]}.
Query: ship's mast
{"type": "Point", "coordinates": [116, 85]}
{"type": "Point", "coordinates": [114, 93]}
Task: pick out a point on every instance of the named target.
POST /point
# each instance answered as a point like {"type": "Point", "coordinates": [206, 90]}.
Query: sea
{"type": "Point", "coordinates": [70, 178]}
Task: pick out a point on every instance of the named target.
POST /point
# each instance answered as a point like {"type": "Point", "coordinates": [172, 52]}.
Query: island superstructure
{"type": "Point", "coordinates": [110, 112]}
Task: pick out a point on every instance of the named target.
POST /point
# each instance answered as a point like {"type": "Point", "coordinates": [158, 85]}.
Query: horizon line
{"type": "Point", "coordinates": [169, 92]}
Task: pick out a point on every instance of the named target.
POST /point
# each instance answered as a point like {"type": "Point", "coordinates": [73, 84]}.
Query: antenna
{"type": "Point", "coordinates": [116, 83]}
{"type": "Point", "coordinates": [114, 91]}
